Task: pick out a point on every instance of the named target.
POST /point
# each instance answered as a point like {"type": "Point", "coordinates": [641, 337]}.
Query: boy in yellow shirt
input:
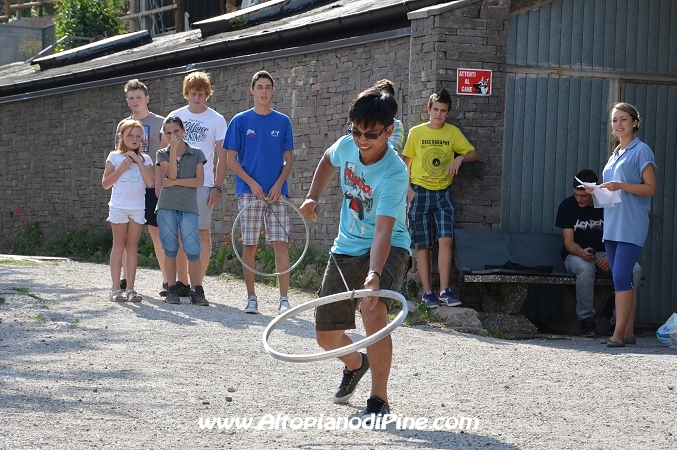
{"type": "Point", "coordinates": [433, 153]}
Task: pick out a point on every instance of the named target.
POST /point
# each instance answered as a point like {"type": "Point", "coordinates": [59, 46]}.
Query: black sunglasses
{"type": "Point", "coordinates": [369, 134]}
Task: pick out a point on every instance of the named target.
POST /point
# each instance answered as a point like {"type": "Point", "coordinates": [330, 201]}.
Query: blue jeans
{"type": "Point", "coordinates": [169, 222]}
{"type": "Point", "coordinates": [585, 283]}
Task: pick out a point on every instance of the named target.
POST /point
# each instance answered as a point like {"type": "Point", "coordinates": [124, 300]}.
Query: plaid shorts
{"type": "Point", "coordinates": [430, 209]}
{"type": "Point", "coordinates": [274, 215]}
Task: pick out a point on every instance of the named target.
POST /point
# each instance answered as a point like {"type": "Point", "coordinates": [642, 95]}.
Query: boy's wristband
{"type": "Point", "coordinates": [375, 273]}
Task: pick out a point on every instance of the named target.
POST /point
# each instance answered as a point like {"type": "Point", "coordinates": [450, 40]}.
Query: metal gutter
{"type": "Point", "coordinates": [391, 16]}
{"type": "Point", "coordinates": [225, 62]}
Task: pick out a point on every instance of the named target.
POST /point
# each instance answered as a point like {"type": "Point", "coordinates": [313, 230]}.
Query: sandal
{"type": "Point", "coordinates": [116, 296]}
{"type": "Point", "coordinates": [611, 343]}
{"type": "Point", "coordinates": [132, 296]}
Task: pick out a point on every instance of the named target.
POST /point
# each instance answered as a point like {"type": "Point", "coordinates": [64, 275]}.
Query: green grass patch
{"type": "Point", "coordinates": [307, 276]}
{"type": "Point", "coordinates": [501, 335]}
{"type": "Point", "coordinates": [423, 315]}
{"type": "Point", "coordinates": [26, 291]}
{"type": "Point", "coordinates": [2, 300]}
{"type": "Point", "coordinates": [18, 262]}
{"type": "Point", "coordinates": [38, 318]}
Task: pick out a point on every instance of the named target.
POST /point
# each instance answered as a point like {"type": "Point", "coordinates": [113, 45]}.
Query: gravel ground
{"type": "Point", "coordinates": [94, 374]}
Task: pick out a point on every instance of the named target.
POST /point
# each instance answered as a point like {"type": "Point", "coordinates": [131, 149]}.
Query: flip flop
{"type": "Point", "coordinates": [132, 296]}
{"type": "Point", "coordinates": [116, 296]}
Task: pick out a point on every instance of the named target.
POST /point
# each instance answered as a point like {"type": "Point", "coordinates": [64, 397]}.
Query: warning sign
{"type": "Point", "coordinates": [473, 82]}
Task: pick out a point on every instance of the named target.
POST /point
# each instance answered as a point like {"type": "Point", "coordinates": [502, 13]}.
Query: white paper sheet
{"type": "Point", "coordinates": [602, 197]}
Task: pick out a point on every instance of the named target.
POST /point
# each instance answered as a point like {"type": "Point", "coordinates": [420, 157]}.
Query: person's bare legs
{"type": "Point", "coordinates": [630, 325]}
{"type": "Point", "coordinates": [281, 264]}
{"type": "Point", "coordinates": [330, 340]}
{"type": "Point", "coordinates": [159, 252]}
{"type": "Point", "coordinates": [131, 247]}
{"type": "Point", "coordinates": [423, 265]}
{"type": "Point", "coordinates": [196, 273]}
{"type": "Point", "coordinates": [444, 256]}
{"type": "Point", "coordinates": [119, 243]}
{"type": "Point", "coordinates": [380, 353]}
{"type": "Point", "coordinates": [206, 253]}
{"type": "Point", "coordinates": [248, 256]}
{"type": "Point", "coordinates": [624, 311]}
{"type": "Point", "coordinates": [181, 263]}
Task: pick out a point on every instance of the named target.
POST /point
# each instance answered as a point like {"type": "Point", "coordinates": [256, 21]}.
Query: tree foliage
{"type": "Point", "coordinates": [88, 18]}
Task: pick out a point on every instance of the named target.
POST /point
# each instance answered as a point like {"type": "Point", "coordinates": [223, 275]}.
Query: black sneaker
{"type": "Point", "coordinates": [184, 291]}
{"type": "Point", "coordinates": [173, 297]}
{"type": "Point", "coordinates": [197, 297]}
{"type": "Point", "coordinates": [164, 291]}
{"type": "Point", "coordinates": [350, 380]}
{"type": "Point", "coordinates": [123, 284]}
{"type": "Point", "coordinates": [375, 408]}
{"type": "Point", "coordinates": [588, 328]}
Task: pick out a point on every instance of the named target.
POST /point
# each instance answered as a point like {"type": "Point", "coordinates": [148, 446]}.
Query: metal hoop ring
{"type": "Point", "coordinates": [342, 351]}
{"type": "Point", "coordinates": [305, 249]}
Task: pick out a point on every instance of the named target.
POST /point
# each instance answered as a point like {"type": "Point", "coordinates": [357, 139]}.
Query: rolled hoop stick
{"type": "Point", "coordinates": [305, 249]}
{"type": "Point", "coordinates": [342, 351]}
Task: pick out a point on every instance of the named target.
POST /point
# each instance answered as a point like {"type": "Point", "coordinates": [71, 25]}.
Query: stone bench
{"type": "Point", "coordinates": [504, 290]}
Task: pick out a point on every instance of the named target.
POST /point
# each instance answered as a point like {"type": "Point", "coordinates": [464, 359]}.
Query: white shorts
{"type": "Point", "coordinates": [120, 215]}
{"type": "Point", "coordinates": [205, 212]}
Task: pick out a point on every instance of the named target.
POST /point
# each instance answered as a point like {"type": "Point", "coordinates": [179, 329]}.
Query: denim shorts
{"type": "Point", "coordinates": [274, 215]}
{"type": "Point", "coordinates": [341, 315]}
{"type": "Point", "coordinates": [170, 221]}
{"type": "Point", "coordinates": [430, 211]}
{"type": "Point", "coordinates": [205, 219]}
{"type": "Point", "coordinates": [120, 216]}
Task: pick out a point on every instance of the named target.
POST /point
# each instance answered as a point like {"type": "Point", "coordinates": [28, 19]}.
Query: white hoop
{"type": "Point", "coordinates": [366, 342]}
{"type": "Point", "coordinates": [305, 249]}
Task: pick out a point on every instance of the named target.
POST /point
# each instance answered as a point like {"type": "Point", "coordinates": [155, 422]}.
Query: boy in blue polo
{"type": "Point", "coordinates": [260, 149]}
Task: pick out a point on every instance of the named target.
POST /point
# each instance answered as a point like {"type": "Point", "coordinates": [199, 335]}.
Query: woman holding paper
{"type": "Point", "coordinates": [631, 171]}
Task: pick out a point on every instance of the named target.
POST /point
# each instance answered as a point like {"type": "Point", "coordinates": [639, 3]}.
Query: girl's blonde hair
{"type": "Point", "coordinates": [128, 125]}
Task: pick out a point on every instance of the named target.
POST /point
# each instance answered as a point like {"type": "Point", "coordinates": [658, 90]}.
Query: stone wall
{"type": "Point", "coordinates": [54, 147]}
{"type": "Point", "coordinates": [465, 34]}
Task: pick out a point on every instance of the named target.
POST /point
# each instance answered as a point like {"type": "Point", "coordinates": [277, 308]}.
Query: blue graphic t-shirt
{"type": "Point", "coordinates": [378, 189]}
{"type": "Point", "coordinates": [260, 142]}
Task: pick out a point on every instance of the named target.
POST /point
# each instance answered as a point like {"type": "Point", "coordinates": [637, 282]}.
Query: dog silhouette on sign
{"type": "Point", "coordinates": [482, 87]}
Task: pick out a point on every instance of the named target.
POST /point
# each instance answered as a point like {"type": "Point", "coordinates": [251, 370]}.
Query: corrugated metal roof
{"type": "Point", "coordinates": [180, 49]}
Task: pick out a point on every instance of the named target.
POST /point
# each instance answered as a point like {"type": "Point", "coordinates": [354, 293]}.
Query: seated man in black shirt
{"type": "Point", "coordinates": [583, 251]}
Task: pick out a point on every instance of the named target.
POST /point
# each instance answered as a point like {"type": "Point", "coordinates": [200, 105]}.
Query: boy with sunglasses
{"type": "Point", "coordinates": [372, 246]}
{"type": "Point", "coordinates": [433, 153]}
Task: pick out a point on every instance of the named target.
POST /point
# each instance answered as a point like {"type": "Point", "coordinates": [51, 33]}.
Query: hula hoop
{"type": "Point", "coordinates": [305, 249]}
{"type": "Point", "coordinates": [342, 351]}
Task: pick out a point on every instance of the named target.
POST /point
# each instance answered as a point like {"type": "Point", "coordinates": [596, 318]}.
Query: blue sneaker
{"type": "Point", "coordinates": [447, 298]}
{"type": "Point", "coordinates": [430, 300]}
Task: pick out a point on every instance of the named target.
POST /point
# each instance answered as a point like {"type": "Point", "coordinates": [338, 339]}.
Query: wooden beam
{"type": "Point", "coordinates": [149, 12]}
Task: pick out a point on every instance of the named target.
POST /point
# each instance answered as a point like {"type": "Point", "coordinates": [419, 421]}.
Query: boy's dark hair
{"type": "Point", "coordinates": [441, 96]}
{"type": "Point", "coordinates": [262, 74]}
{"type": "Point", "coordinates": [173, 119]}
{"type": "Point", "coordinates": [135, 84]}
{"type": "Point", "coordinates": [586, 175]}
{"type": "Point", "coordinates": [385, 85]}
{"type": "Point", "coordinates": [373, 107]}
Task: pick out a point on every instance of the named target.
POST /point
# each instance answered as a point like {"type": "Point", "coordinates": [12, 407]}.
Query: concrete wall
{"type": "Point", "coordinates": [54, 147]}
